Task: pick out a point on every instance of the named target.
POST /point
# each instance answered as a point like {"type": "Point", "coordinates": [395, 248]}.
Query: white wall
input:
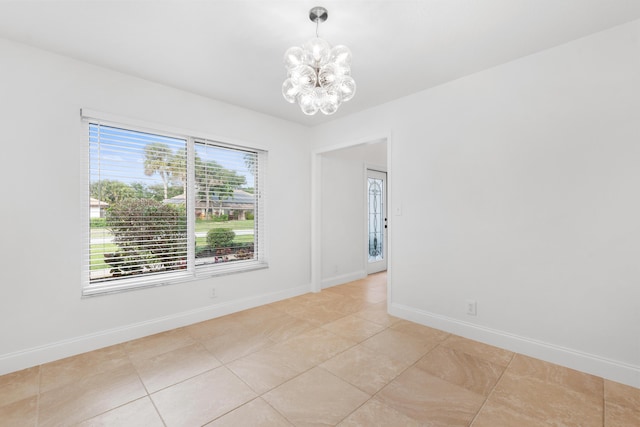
{"type": "Point", "coordinates": [343, 208]}
{"type": "Point", "coordinates": [42, 316]}
{"type": "Point", "coordinates": [519, 188]}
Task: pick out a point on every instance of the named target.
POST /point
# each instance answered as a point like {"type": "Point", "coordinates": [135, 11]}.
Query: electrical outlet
{"type": "Point", "coordinates": [213, 293]}
{"type": "Point", "coordinates": [472, 307]}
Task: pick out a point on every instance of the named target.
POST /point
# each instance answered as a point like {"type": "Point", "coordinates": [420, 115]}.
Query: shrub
{"type": "Point", "coordinates": [220, 218]}
{"type": "Point", "coordinates": [220, 237]}
{"type": "Point", "coordinates": [249, 216]}
{"type": "Point", "coordinates": [150, 235]}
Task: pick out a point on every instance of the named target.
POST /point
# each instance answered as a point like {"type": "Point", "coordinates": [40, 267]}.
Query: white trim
{"type": "Point", "coordinates": [193, 272]}
{"type": "Point", "coordinates": [261, 211]}
{"type": "Point", "coordinates": [190, 207]}
{"type": "Point", "coordinates": [85, 209]}
{"type": "Point", "coordinates": [390, 208]}
{"type": "Point", "coordinates": [172, 278]}
{"type": "Point", "coordinates": [343, 278]}
{"type": "Point", "coordinates": [365, 214]}
{"type": "Point", "coordinates": [574, 359]}
{"type": "Point", "coordinates": [34, 356]}
{"type": "Point", "coordinates": [374, 167]}
{"type": "Point", "coordinates": [316, 205]}
{"type": "Point", "coordinates": [316, 222]}
{"type": "Point", "coordinates": [360, 141]}
{"type": "Point", "coordinates": [154, 127]}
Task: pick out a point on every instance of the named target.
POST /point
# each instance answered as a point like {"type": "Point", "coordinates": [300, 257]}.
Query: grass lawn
{"type": "Point", "coordinates": [206, 225]}
{"type": "Point", "coordinates": [97, 260]}
{"type": "Point", "coordinates": [202, 241]}
{"type": "Point", "coordinates": [97, 249]}
{"type": "Point", "coordinates": [100, 233]}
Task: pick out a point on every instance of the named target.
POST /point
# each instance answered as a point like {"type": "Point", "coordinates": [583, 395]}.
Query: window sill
{"type": "Point", "coordinates": [202, 272]}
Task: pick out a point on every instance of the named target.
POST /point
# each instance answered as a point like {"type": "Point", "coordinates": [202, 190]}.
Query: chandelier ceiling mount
{"type": "Point", "coordinates": [318, 14]}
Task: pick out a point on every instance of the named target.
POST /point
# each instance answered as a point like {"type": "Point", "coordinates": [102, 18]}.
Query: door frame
{"type": "Point", "coordinates": [316, 207]}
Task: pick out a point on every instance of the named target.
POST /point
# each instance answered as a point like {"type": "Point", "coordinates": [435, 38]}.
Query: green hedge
{"type": "Point", "coordinates": [220, 237]}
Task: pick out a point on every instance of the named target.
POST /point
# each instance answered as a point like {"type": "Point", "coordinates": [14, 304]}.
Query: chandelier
{"type": "Point", "coordinates": [318, 76]}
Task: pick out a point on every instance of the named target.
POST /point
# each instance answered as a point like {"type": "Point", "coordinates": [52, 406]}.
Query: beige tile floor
{"type": "Point", "coordinates": [332, 358]}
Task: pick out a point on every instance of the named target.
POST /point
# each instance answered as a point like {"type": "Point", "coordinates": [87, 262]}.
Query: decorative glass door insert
{"type": "Point", "coordinates": [377, 220]}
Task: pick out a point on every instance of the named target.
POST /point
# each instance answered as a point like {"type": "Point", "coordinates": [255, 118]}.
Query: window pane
{"type": "Point", "coordinates": [225, 204]}
{"type": "Point", "coordinates": [136, 227]}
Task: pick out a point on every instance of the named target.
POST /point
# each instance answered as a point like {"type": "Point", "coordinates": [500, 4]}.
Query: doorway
{"type": "Point", "coordinates": [339, 219]}
{"type": "Point", "coordinates": [376, 221]}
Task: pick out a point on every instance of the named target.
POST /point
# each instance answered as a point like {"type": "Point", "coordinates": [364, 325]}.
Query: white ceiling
{"type": "Point", "coordinates": [232, 50]}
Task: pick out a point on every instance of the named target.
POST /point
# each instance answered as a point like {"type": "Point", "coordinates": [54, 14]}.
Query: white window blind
{"type": "Point", "coordinates": [226, 191]}
{"type": "Point", "coordinates": [166, 208]}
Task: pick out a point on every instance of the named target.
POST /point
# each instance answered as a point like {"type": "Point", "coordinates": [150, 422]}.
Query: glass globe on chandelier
{"type": "Point", "coordinates": [318, 76]}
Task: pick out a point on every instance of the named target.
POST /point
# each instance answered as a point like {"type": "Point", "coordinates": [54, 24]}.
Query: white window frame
{"type": "Point", "coordinates": [192, 272]}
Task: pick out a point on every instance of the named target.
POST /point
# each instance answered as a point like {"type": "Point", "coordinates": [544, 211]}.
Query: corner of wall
{"type": "Point", "coordinates": [343, 278]}
{"type": "Point", "coordinates": [589, 363]}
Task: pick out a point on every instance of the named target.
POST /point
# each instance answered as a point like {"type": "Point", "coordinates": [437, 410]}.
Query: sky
{"type": "Point", "coordinates": [121, 155]}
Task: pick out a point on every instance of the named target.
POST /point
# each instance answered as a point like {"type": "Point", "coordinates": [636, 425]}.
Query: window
{"type": "Point", "coordinates": [165, 208]}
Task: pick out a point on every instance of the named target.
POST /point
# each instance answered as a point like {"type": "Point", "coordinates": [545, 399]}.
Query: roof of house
{"type": "Point", "coordinates": [95, 203]}
{"type": "Point", "coordinates": [239, 200]}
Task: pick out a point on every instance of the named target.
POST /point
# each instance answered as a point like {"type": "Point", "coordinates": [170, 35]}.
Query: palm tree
{"type": "Point", "coordinates": [217, 181]}
{"type": "Point", "coordinates": [178, 168]}
{"type": "Point", "coordinates": [206, 179]}
{"type": "Point", "coordinates": [158, 160]}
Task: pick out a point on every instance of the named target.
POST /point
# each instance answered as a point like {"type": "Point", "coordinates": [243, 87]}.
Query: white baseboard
{"type": "Point", "coordinates": [34, 356]}
{"type": "Point", "coordinates": [343, 278]}
{"type": "Point", "coordinates": [606, 368]}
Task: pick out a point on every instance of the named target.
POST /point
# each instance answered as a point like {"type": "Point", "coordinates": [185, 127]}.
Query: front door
{"type": "Point", "coordinates": [377, 221]}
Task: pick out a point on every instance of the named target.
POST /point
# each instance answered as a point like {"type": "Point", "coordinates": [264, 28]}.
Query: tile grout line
{"type": "Point", "coordinates": [604, 405]}
{"type": "Point", "coordinates": [320, 326]}
{"type": "Point", "coordinates": [275, 409]}
{"type": "Point", "coordinates": [409, 366]}
{"type": "Point", "coordinates": [513, 356]}
{"type": "Point", "coordinates": [412, 366]}
{"type": "Point", "coordinates": [37, 421]}
{"type": "Point", "coordinates": [260, 395]}
{"type": "Point", "coordinates": [378, 391]}
{"type": "Point", "coordinates": [334, 375]}
{"type": "Point", "coordinates": [231, 410]}
{"type": "Point", "coordinates": [372, 396]}
{"type": "Point", "coordinates": [148, 395]}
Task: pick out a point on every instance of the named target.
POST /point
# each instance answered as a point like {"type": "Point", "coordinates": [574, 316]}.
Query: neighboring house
{"type": "Point", "coordinates": [97, 208]}
{"type": "Point", "coordinates": [235, 206]}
